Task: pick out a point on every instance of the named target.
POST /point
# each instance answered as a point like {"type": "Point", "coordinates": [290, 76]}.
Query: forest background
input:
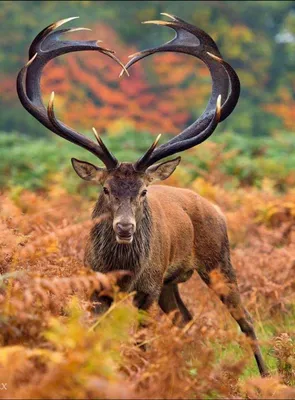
{"type": "Point", "coordinates": [164, 93]}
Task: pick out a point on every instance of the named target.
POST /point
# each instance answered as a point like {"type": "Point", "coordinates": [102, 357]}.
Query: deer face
{"type": "Point", "coordinates": [125, 192]}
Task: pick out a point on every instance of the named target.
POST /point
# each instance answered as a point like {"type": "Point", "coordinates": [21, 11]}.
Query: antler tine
{"type": "Point", "coordinates": [234, 92]}
{"type": "Point", "coordinates": [144, 159]}
{"type": "Point", "coordinates": [225, 82]}
{"type": "Point", "coordinates": [35, 45]}
{"type": "Point", "coordinates": [104, 147]}
{"type": "Point", "coordinates": [44, 48]}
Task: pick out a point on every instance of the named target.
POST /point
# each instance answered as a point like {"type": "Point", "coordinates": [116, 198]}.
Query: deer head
{"type": "Point", "coordinates": [124, 193]}
{"type": "Point", "coordinates": [125, 185]}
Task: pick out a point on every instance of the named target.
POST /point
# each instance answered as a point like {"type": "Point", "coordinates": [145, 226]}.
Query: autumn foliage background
{"type": "Point", "coordinates": [52, 345]}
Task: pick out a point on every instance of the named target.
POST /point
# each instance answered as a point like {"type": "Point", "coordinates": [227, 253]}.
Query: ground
{"type": "Point", "coordinates": [53, 346]}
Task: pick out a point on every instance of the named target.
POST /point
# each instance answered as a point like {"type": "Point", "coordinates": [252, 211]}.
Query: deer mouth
{"type": "Point", "coordinates": [124, 239]}
{"type": "Point", "coordinates": [124, 232]}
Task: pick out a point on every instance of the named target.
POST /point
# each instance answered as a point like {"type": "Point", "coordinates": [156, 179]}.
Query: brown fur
{"type": "Point", "coordinates": [177, 232]}
{"type": "Point", "coordinates": [181, 226]}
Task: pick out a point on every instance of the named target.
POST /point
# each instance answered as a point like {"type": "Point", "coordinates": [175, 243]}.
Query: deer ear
{"type": "Point", "coordinates": [88, 171]}
{"type": "Point", "coordinates": [160, 172]}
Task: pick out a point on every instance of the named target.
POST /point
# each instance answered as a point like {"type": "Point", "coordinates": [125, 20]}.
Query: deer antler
{"type": "Point", "coordinates": [44, 48]}
{"type": "Point", "coordinates": [225, 88]}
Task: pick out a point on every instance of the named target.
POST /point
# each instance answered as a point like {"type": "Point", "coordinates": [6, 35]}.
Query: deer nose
{"type": "Point", "coordinates": [125, 229]}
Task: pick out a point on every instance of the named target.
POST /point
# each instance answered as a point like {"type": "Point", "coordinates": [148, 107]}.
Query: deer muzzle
{"type": "Point", "coordinates": [124, 232]}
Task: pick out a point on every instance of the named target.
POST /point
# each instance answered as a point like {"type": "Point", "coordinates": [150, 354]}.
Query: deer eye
{"type": "Point", "coordinates": [143, 193]}
{"type": "Point", "coordinates": [106, 191]}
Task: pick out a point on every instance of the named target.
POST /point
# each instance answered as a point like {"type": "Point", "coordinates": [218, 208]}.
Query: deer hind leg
{"type": "Point", "coordinates": [170, 300]}
{"type": "Point", "coordinates": [244, 320]}
{"type": "Point", "coordinates": [230, 296]}
{"type": "Point", "coordinates": [187, 316]}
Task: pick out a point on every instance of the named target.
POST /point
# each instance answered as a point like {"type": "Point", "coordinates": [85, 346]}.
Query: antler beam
{"type": "Point", "coordinates": [44, 48]}
{"type": "Point", "coordinates": [225, 83]}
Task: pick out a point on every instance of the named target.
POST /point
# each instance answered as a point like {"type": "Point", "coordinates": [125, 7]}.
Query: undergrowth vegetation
{"type": "Point", "coordinates": [52, 344]}
{"type": "Point", "coordinates": [237, 161]}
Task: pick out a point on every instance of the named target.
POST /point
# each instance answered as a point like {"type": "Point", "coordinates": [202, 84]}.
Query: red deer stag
{"type": "Point", "coordinates": [161, 234]}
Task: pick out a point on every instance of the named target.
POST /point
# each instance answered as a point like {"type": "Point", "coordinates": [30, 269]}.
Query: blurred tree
{"type": "Point", "coordinates": [257, 38]}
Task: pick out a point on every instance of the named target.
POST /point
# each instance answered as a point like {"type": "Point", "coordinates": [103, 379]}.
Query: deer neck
{"type": "Point", "coordinates": [110, 255]}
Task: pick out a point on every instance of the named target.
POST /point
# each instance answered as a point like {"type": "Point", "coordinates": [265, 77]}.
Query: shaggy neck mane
{"type": "Point", "coordinates": [111, 255]}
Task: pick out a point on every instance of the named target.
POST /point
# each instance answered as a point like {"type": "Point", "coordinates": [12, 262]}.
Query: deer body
{"type": "Point", "coordinates": [173, 232]}
{"type": "Point", "coordinates": [161, 234]}
{"type": "Point", "coordinates": [172, 242]}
